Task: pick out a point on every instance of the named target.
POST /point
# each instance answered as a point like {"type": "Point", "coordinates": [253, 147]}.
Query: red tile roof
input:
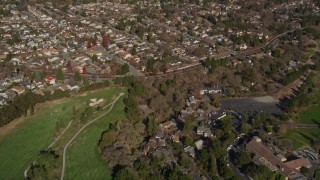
{"type": "Point", "coordinates": [259, 148]}
{"type": "Point", "coordinates": [297, 163]}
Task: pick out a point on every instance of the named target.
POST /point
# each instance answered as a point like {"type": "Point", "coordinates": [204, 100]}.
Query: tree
{"type": "Point", "coordinates": [43, 74]}
{"type": "Point", "coordinates": [134, 50]}
{"type": "Point", "coordinates": [276, 53]}
{"type": "Point", "coordinates": [83, 13]}
{"type": "Point", "coordinates": [69, 66]}
{"type": "Point", "coordinates": [105, 41]}
{"type": "Point", "coordinates": [188, 124]}
{"type": "Point", "coordinates": [87, 114]}
{"type": "Point", "coordinates": [269, 129]}
{"type": "Point", "coordinates": [150, 64]}
{"type": "Point", "coordinates": [230, 92]}
{"type": "Point", "coordinates": [151, 126]}
{"type": "Point", "coordinates": [282, 130]}
{"type": "Point", "coordinates": [84, 70]}
{"type": "Point", "coordinates": [89, 45]}
{"type": "Point", "coordinates": [215, 102]}
{"type": "Point", "coordinates": [180, 39]}
{"type": "Point", "coordinates": [219, 133]}
{"type": "Point", "coordinates": [94, 41]}
{"type": "Point", "coordinates": [204, 105]}
{"type": "Point", "coordinates": [59, 74]}
{"type": "Point", "coordinates": [94, 58]}
{"type": "Point", "coordinates": [77, 76]}
{"type": "Point", "coordinates": [227, 124]}
{"type": "Point", "coordinates": [248, 74]}
{"type": "Point", "coordinates": [188, 140]}
{"type": "Point", "coordinates": [124, 69]}
{"type": "Point", "coordinates": [131, 108]}
{"type": "Point", "coordinates": [122, 174]}
{"type": "Point", "coordinates": [8, 57]}
{"type": "Point", "coordinates": [245, 128]}
{"type": "Point", "coordinates": [68, 2]}
{"type": "Point", "coordinates": [243, 158]}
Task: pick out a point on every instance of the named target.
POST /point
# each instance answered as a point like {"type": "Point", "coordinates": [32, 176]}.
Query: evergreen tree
{"type": "Point", "coordinates": [59, 74]}
{"type": "Point", "coordinates": [77, 76]}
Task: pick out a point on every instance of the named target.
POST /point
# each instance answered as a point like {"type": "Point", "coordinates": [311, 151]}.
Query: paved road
{"type": "Point", "coordinates": [86, 125]}
{"type": "Point", "coordinates": [302, 126]}
{"type": "Point", "coordinates": [312, 171]}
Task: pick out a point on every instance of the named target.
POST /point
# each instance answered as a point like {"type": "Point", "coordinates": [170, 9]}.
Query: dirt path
{"type": "Point", "coordinates": [53, 143]}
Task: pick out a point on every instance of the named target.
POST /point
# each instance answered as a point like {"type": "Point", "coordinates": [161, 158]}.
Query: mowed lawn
{"type": "Point", "coordinates": [310, 116]}
{"type": "Point", "coordinates": [20, 147]}
{"type": "Point", "coordinates": [317, 175]}
{"type": "Point", "coordinates": [301, 137]}
{"type": "Point", "coordinates": [83, 159]}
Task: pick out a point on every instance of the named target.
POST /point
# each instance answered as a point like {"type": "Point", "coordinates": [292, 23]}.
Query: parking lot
{"type": "Point", "coordinates": [309, 154]}
{"type": "Point", "coordinates": [258, 104]}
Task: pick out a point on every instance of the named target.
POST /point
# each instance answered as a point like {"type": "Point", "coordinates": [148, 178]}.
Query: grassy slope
{"type": "Point", "coordinates": [312, 114]}
{"type": "Point", "coordinates": [83, 158]}
{"type": "Point", "coordinates": [21, 146]}
{"type": "Point", "coordinates": [317, 175]}
{"type": "Point", "coordinates": [301, 137]}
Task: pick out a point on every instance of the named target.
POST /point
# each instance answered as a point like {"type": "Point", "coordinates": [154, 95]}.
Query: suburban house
{"type": "Point", "coordinates": [211, 90]}
{"type": "Point", "coordinates": [50, 80]}
{"type": "Point", "coordinates": [199, 144]}
{"type": "Point", "coordinates": [190, 150]}
{"type": "Point", "coordinates": [204, 131]}
{"type": "Point", "coordinates": [216, 115]}
{"type": "Point", "coordinates": [168, 125]}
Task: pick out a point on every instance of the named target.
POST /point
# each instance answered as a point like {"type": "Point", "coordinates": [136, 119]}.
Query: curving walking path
{"type": "Point", "coordinates": [54, 142]}
{"type": "Point", "coordinates": [80, 130]}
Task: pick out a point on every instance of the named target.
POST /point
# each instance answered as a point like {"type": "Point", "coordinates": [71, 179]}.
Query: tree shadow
{"type": "Point", "coordinates": [310, 139]}
{"type": "Point", "coordinates": [316, 122]}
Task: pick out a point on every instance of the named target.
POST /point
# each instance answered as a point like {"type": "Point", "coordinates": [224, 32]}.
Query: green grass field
{"type": "Point", "coordinates": [22, 145]}
{"type": "Point", "coordinates": [301, 137]}
{"type": "Point", "coordinates": [310, 115]}
{"type": "Point", "coordinates": [317, 175]}
{"type": "Point", "coordinates": [83, 159]}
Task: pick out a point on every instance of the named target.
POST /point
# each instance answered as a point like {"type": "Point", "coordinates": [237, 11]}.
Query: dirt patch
{"type": "Point", "coordinates": [6, 129]}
